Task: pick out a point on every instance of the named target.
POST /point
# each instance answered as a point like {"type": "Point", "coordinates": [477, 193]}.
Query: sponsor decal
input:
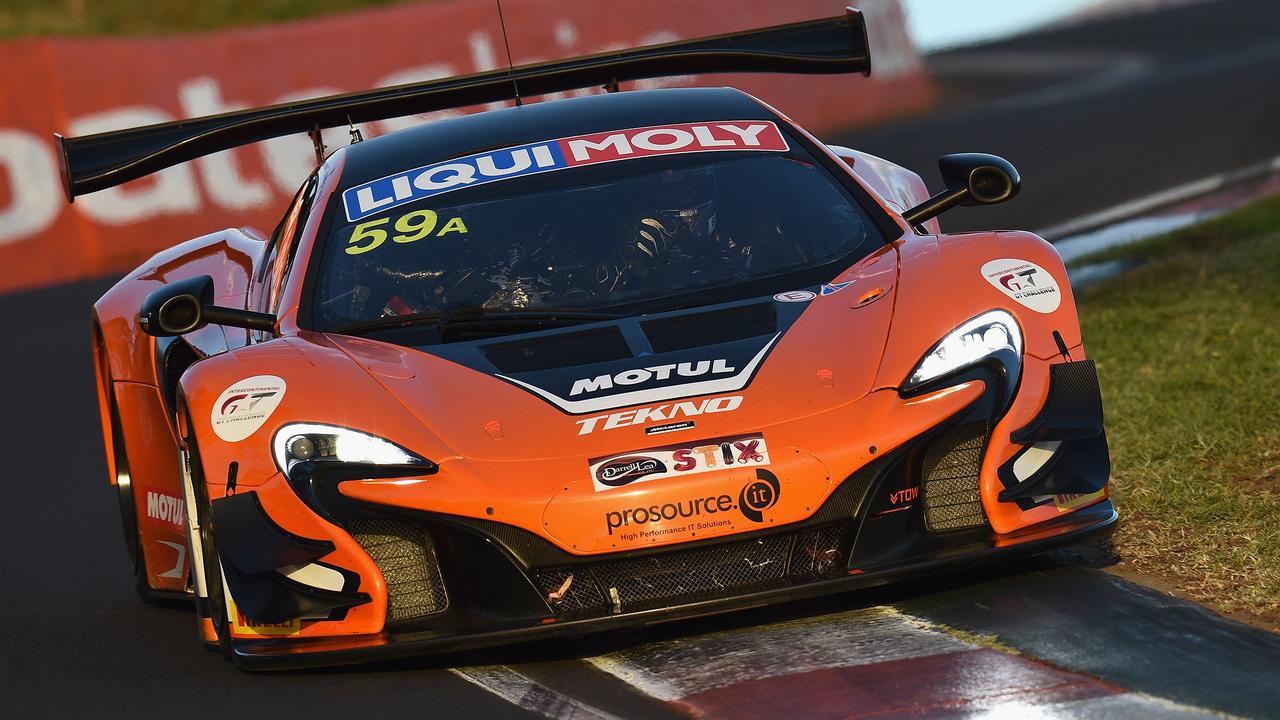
{"type": "Point", "coordinates": [624, 470]}
{"type": "Point", "coordinates": [668, 427]}
{"type": "Point", "coordinates": [179, 570]}
{"type": "Point", "coordinates": [621, 384]}
{"type": "Point", "coordinates": [243, 625]}
{"type": "Point", "coordinates": [659, 413]}
{"type": "Point", "coordinates": [1026, 282]}
{"type": "Point", "coordinates": [758, 496]}
{"type": "Point", "coordinates": [1077, 500]}
{"type": "Point", "coordinates": [795, 296]}
{"type": "Point", "coordinates": [659, 373]}
{"type": "Point", "coordinates": [830, 289]}
{"type": "Point", "coordinates": [579, 150]}
{"type": "Point", "coordinates": [166, 508]}
{"type": "Point", "coordinates": [242, 408]}
{"type": "Point", "coordinates": [905, 495]}
{"type": "Point", "coordinates": [754, 499]}
{"type": "Point", "coordinates": [676, 460]}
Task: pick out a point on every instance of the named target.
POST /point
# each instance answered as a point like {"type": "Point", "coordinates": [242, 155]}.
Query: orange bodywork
{"type": "Point", "coordinates": [826, 402]}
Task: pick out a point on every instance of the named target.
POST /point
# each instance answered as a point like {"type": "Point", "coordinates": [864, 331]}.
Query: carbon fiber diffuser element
{"type": "Point", "coordinates": [951, 473]}
{"type": "Point", "coordinates": [407, 558]}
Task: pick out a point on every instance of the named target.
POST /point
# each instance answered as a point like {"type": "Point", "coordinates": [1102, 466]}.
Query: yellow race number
{"type": "Point", "coordinates": [415, 225]}
{"type": "Point", "coordinates": [367, 231]}
{"type": "Point", "coordinates": [410, 227]}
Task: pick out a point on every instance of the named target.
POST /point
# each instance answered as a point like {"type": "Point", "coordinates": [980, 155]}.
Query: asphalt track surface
{"type": "Point", "coordinates": [1092, 115]}
{"type": "Point", "coordinates": [1097, 115]}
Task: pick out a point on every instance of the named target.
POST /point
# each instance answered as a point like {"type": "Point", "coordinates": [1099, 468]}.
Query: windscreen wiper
{"type": "Point", "coordinates": [471, 317]}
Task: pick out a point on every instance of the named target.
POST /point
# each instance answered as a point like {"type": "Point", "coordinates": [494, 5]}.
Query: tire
{"type": "Point", "coordinates": [214, 605]}
{"type": "Point", "coordinates": [125, 500]}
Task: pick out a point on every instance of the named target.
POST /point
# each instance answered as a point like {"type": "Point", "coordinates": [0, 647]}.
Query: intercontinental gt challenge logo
{"type": "Point", "coordinates": [753, 500]}
{"type": "Point", "coordinates": [1026, 282]}
{"type": "Point", "coordinates": [243, 408]}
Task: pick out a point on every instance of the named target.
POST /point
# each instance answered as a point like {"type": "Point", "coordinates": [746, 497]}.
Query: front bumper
{"type": "Point", "coordinates": [914, 511]}
{"type": "Point", "coordinates": [295, 654]}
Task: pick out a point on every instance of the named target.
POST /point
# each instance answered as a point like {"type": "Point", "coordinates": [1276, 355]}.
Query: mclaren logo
{"type": "Point", "coordinates": [658, 373]}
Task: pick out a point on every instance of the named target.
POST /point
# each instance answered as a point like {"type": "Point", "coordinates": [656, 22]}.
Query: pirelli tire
{"type": "Point", "coordinates": [212, 607]}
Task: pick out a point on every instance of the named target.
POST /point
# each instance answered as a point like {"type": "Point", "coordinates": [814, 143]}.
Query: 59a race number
{"type": "Point", "coordinates": [410, 227]}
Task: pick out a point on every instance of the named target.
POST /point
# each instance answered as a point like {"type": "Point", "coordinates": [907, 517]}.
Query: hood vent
{"type": "Point", "coordinates": [560, 350]}
{"type": "Point", "coordinates": [683, 332]}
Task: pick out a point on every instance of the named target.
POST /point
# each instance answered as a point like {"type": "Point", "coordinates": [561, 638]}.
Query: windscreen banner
{"type": "Point", "coordinates": [77, 86]}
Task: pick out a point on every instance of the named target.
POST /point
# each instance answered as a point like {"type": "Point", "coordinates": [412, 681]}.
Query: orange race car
{"type": "Point", "coordinates": [582, 364]}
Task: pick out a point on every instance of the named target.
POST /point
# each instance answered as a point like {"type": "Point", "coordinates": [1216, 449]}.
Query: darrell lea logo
{"type": "Point", "coordinates": [383, 194]}
{"type": "Point", "coordinates": [621, 471]}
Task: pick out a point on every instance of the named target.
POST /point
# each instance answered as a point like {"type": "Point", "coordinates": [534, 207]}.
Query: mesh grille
{"type": "Point", "coordinates": [652, 578]}
{"type": "Point", "coordinates": [951, 472]}
{"type": "Point", "coordinates": [582, 594]}
{"type": "Point", "coordinates": [632, 583]}
{"type": "Point", "coordinates": [407, 558]}
{"type": "Point", "coordinates": [817, 551]}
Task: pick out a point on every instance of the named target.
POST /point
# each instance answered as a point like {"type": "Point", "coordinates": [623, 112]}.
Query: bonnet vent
{"type": "Point", "coordinates": [683, 332]}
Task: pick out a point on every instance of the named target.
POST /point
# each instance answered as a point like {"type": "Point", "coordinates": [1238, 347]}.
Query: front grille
{"type": "Point", "coordinates": [581, 595]}
{"type": "Point", "coordinates": [407, 558]}
{"type": "Point", "coordinates": [817, 551]}
{"type": "Point", "coordinates": [684, 575]}
{"type": "Point", "coordinates": [951, 475]}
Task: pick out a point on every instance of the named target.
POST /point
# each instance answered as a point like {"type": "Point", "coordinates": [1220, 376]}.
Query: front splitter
{"type": "Point", "coordinates": [291, 654]}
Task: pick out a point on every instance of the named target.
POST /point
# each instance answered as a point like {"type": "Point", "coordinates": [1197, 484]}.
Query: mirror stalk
{"type": "Point", "coordinates": [972, 179]}
{"type": "Point", "coordinates": [187, 305]}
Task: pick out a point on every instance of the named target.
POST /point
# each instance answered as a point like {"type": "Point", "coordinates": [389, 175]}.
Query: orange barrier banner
{"type": "Point", "coordinates": [84, 86]}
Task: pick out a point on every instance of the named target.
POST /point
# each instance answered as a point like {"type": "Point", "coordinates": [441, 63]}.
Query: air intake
{"type": "Point", "coordinates": [950, 476]}
{"type": "Point", "coordinates": [699, 329]}
{"type": "Point", "coordinates": [407, 558]}
{"type": "Point", "coordinates": [635, 583]}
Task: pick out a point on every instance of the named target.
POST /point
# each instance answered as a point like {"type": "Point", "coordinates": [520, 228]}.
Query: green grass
{"type": "Point", "coordinates": [20, 18]}
{"type": "Point", "coordinates": [1188, 353]}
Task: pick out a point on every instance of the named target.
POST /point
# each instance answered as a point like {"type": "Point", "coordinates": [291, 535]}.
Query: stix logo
{"type": "Point", "coordinates": [242, 408]}
{"type": "Point", "coordinates": [166, 508]}
{"type": "Point", "coordinates": [676, 460]}
{"type": "Point", "coordinates": [754, 499]}
{"type": "Point", "coordinates": [405, 187]}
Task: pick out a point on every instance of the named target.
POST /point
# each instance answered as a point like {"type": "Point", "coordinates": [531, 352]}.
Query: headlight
{"type": "Point", "coordinates": [979, 338]}
{"type": "Point", "coordinates": [298, 442]}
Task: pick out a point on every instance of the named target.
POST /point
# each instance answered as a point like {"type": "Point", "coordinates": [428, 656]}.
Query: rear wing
{"type": "Point", "coordinates": [830, 45]}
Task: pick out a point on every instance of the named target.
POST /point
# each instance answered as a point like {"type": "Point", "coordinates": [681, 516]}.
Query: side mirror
{"type": "Point", "coordinates": [187, 305]}
{"type": "Point", "coordinates": [972, 179]}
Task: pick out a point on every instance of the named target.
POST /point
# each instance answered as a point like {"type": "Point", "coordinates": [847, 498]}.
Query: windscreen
{"type": "Point", "coordinates": [637, 235]}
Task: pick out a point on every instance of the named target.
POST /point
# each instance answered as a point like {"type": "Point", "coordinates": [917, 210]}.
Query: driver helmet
{"type": "Point", "coordinates": [688, 197]}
